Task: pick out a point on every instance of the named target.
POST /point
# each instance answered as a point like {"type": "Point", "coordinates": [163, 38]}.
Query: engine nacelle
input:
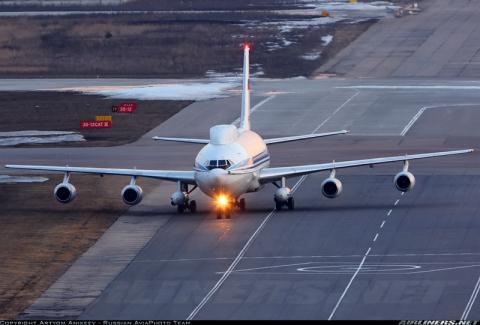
{"type": "Point", "coordinates": [332, 187]}
{"type": "Point", "coordinates": [65, 192]}
{"type": "Point", "coordinates": [404, 181]}
{"type": "Point", "coordinates": [132, 194]}
{"type": "Point", "coordinates": [282, 194]}
{"type": "Point", "coordinates": [178, 198]}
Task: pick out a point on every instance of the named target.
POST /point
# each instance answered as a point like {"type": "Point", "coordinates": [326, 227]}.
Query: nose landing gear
{"type": "Point", "coordinates": [224, 206]}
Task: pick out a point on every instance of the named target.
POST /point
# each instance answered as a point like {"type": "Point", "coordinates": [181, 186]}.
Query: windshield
{"type": "Point", "coordinates": [223, 164]}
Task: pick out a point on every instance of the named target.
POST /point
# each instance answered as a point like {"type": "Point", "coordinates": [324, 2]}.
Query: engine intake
{"type": "Point", "coordinates": [331, 187]}
{"type": "Point", "coordinates": [178, 198]}
{"type": "Point", "coordinates": [132, 194]}
{"type": "Point", "coordinates": [404, 181]}
{"type": "Point", "coordinates": [65, 192]}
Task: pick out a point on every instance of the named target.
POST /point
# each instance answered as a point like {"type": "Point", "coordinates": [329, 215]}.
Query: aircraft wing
{"type": "Point", "coordinates": [168, 175]}
{"type": "Point", "coordinates": [186, 140]}
{"type": "Point", "coordinates": [276, 173]}
{"type": "Point", "coordinates": [303, 137]}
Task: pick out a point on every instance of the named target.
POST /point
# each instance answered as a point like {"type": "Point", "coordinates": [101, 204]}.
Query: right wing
{"type": "Point", "coordinates": [276, 173]}
{"type": "Point", "coordinates": [303, 137]}
{"type": "Point", "coordinates": [186, 140]}
{"type": "Point", "coordinates": [168, 175]}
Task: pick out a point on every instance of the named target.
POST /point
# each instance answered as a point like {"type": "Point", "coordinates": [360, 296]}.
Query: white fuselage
{"type": "Point", "coordinates": [231, 162]}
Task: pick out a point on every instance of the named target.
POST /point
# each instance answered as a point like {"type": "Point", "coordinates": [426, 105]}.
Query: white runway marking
{"type": "Point", "coordinates": [359, 267]}
{"type": "Point", "coordinates": [424, 108]}
{"type": "Point", "coordinates": [408, 87]}
{"type": "Point", "coordinates": [471, 301]}
{"type": "Point", "coordinates": [349, 284]}
{"type": "Point", "coordinates": [336, 111]}
{"type": "Point", "coordinates": [254, 108]}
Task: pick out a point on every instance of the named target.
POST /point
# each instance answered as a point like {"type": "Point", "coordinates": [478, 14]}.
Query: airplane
{"type": "Point", "coordinates": [235, 161]}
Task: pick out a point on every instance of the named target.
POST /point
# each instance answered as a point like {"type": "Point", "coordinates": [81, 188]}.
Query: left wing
{"type": "Point", "coordinates": [168, 175]}
{"type": "Point", "coordinates": [276, 173]}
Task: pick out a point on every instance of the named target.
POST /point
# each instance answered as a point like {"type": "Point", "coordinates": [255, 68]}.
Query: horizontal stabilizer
{"type": "Point", "coordinates": [186, 140]}
{"type": "Point", "coordinates": [303, 137]}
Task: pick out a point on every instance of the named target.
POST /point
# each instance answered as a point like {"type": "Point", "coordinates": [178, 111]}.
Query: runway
{"type": "Point", "coordinates": [422, 259]}
{"type": "Point", "coordinates": [372, 253]}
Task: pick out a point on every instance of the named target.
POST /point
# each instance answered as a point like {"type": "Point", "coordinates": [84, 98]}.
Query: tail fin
{"type": "Point", "coordinates": [245, 114]}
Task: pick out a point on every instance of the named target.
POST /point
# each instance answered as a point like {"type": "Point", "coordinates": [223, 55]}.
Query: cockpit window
{"type": "Point", "coordinates": [224, 164]}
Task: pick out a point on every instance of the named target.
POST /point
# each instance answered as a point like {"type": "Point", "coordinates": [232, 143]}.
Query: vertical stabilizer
{"type": "Point", "coordinates": [245, 115]}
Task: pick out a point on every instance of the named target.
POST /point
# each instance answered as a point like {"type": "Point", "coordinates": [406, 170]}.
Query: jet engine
{"type": "Point", "coordinates": [132, 194]}
{"type": "Point", "coordinates": [178, 198]}
{"type": "Point", "coordinates": [282, 194]}
{"type": "Point", "coordinates": [404, 181]}
{"type": "Point", "coordinates": [65, 192]}
{"type": "Point", "coordinates": [331, 187]}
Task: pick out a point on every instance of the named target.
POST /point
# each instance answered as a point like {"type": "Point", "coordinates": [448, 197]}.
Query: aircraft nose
{"type": "Point", "coordinates": [217, 177]}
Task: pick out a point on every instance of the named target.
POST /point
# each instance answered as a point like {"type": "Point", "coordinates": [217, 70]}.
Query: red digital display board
{"type": "Point", "coordinates": [124, 108]}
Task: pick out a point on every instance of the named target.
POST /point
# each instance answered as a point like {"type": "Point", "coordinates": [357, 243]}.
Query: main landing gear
{"type": "Point", "coordinates": [188, 205]}
{"type": "Point", "coordinates": [224, 206]}
{"type": "Point", "coordinates": [181, 199]}
{"type": "Point", "coordinates": [290, 203]}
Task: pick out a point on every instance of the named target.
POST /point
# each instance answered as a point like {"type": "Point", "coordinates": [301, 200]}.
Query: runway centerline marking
{"type": "Point", "coordinates": [360, 266]}
{"type": "Point", "coordinates": [349, 284]}
{"type": "Point", "coordinates": [260, 227]}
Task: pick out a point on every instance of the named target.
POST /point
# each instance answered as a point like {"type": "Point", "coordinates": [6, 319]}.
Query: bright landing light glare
{"type": "Point", "coordinates": [222, 200]}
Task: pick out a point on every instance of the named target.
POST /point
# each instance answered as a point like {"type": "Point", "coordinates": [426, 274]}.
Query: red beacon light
{"type": "Point", "coordinates": [246, 46]}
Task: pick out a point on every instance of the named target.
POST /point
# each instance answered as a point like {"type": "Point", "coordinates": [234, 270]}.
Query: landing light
{"type": "Point", "coordinates": [222, 200]}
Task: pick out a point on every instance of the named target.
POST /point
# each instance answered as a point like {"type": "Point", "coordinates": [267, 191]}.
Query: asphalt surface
{"type": "Point", "coordinates": [372, 253]}
{"type": "Point", "coordinates": [442, 41]}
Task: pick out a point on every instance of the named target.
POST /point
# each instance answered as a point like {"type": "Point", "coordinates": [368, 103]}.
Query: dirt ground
{"type": "Point", "coordinates": [168, 45]}
{"type": "Point", "coordinates": [41, 238]}
{"type": "Point", "coordinates": [63, 111]}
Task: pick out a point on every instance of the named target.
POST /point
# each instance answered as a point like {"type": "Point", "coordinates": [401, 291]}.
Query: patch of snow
{"type": "Point", "coordinates": [289, 25]}
{"type": "Point", "coordinates": [7, 179]}
{"type": "Point", "coordinates": [16, 140]}
{"type": "Point", "coordinates": [311, 56]}
{"type": "Point", "coordinates": [327, 40]}
{"type": "Point", "coordinates": [346, 5]}
{"type": "Point", "coordinates": [184, 91]}
{"type": "Point", "coordinates": [281, 43]}
{"type": "Point", "coordinates": [30, 133]}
